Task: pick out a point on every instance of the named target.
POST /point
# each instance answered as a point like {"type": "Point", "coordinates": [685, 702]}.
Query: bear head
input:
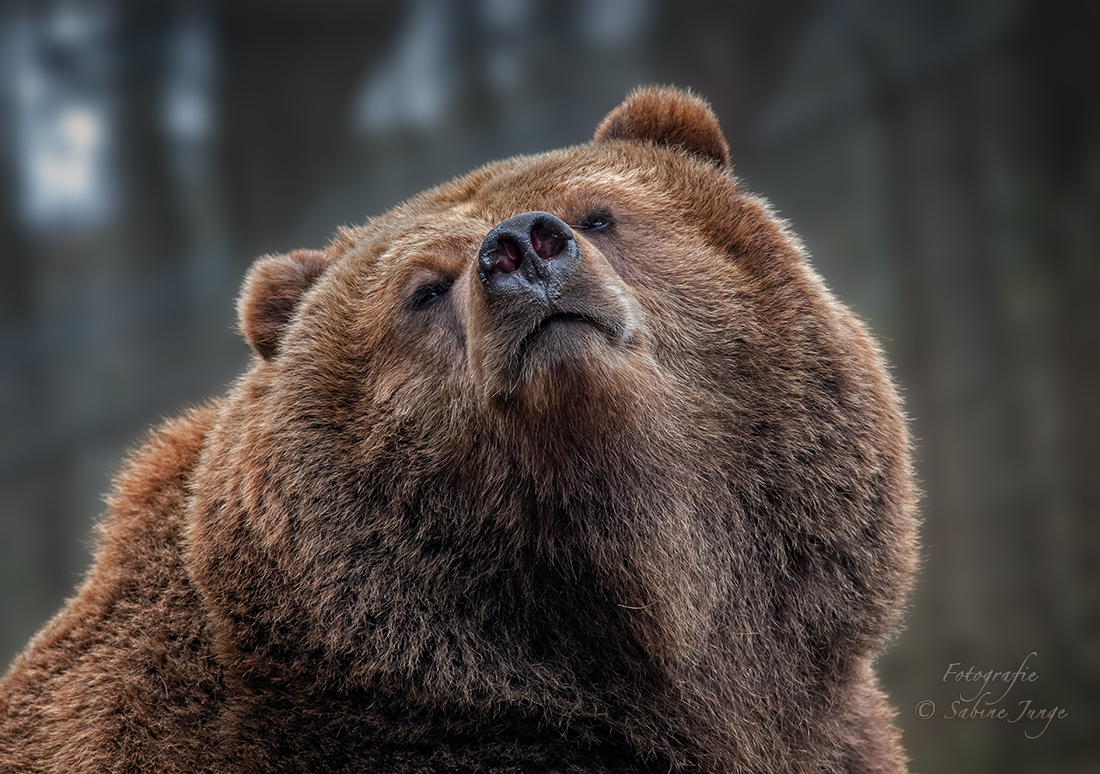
{"type": "Point", "coordinates": [580, 437]}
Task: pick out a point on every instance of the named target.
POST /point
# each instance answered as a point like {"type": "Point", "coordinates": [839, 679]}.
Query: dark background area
{"type": "Point", "coordinates": [940, 159]}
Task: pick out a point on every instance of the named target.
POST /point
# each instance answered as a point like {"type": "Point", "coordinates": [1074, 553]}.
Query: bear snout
{"type": "Point", "coordinates": [545, 304]}
{"type": "Point", "coordinates": [528, 255]}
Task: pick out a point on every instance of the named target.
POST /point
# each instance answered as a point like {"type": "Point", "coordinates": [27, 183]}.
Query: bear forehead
{"type": "Point", "coordinates": [440, 224]}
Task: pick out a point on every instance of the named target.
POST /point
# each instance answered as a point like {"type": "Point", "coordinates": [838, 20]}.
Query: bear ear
{"type": "Point", "coordinates": [667, 116]}
{"type": "Point", "coordinates": [274, 286]}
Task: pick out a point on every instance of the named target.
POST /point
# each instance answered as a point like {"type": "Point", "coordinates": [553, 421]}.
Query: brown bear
{"type": "Point", "coordinates": [570, 464]}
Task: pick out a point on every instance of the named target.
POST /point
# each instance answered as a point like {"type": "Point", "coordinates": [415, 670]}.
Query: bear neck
{"type": "Point", "coordinates": [551, 586]}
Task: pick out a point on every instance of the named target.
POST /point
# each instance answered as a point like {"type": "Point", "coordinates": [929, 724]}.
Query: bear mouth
{"type": "Point", "coordinates": [564, 322]}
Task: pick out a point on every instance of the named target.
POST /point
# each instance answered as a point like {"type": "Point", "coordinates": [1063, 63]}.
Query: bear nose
{"type": "Point", "coordinates": [526, 252]}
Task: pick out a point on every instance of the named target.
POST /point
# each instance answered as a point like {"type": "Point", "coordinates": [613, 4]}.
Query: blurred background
{"type": "Point", "coordinates": [941, 160]}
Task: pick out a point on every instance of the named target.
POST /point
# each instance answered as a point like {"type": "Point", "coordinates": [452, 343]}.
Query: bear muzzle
{"type": "Point", "coordinates": [541, 289]}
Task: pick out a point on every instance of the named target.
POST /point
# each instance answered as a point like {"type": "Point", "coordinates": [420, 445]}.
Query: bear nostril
{"type": "Point", "coordinates": [508, 257]}
{"type": "Point", "coordinates": [546, 242]}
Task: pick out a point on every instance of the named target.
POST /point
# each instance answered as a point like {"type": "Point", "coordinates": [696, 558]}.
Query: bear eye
{"type": "Point", "coordinates": [430, 292]}
{"type": "Point", "coordinates": [596, 222]}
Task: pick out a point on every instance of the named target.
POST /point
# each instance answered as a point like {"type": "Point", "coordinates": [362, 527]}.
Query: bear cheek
{"type": "Point", "coordinates": [486, 351]}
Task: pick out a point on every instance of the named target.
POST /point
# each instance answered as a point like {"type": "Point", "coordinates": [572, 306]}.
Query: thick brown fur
{"type": "Point", "coordinates": [668, 528]}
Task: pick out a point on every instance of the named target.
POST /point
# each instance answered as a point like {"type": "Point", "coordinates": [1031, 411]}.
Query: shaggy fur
{"type": "Point", "coordinates": [620, 488]}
